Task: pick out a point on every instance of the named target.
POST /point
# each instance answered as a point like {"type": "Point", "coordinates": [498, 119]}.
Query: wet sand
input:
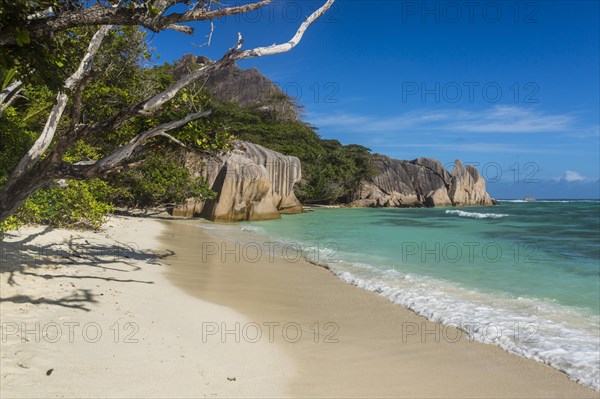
{"type": "Point", "coordinates": [156, 312]}
{"type": "Point", "coordinates": [344, 341]}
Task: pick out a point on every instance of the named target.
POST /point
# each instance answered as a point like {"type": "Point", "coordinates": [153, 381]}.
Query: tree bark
{"type": "Point", "coordinates": [35, 171]}
{"type": "Point", "coordinates": [15, 192]}
{"type": "Point", "coordinates": [45, 139]}
{"type": "Point", "coordinates": [8, 95]}
{"type": "Point", "coordinates": [152, 17]}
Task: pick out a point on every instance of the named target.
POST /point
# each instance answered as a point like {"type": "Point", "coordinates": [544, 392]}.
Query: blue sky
{"type": "Point", "coordinates": [510, 87]}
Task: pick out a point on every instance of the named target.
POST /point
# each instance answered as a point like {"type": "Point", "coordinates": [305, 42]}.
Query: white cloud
{"type": "Point", "coordinates": [572, 176]}
{"type": "Point", "coordinates": [511, 119]}
{"type": "Point", "coordinates": [478, 147]}
{"type": "Point", "coordinates": [497, 119]}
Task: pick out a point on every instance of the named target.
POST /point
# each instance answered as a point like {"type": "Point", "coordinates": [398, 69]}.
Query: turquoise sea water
{"type": "Point", "coordinates": [522, 275]}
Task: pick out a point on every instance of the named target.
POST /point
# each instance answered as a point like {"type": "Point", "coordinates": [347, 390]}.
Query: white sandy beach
{"type": "Point", "coordinates": [170, 305]}
{"type": "Point", "coordinates": [160, 354]}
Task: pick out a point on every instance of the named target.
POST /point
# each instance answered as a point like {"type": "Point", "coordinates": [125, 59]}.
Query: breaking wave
{"type": "Point", "coordinates": [476, 215]}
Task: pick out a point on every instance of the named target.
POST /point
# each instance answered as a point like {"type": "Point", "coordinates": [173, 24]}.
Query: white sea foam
{"type": "Point", "coordinates": [557, 201]}
{"type": "Point", "coordinates": [567, 201]}
{"type": "Point", "coordinates": [476, 215]}
{"type": "Point", "coordinates": [561, 336]}
{"type": "Point", "coordinates": [545, 331]}
{"type": "Point", "coordinates": [564, 337]}
{"type": "Point", "coordinates": [252, 229]}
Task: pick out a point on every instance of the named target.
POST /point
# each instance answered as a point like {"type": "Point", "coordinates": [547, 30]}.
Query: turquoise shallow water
{"type": "Point", "coordinates": [523, 275]}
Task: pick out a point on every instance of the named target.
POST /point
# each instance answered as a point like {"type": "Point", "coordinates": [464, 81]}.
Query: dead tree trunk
{"type": "Point", "coordinates": [41, 167]}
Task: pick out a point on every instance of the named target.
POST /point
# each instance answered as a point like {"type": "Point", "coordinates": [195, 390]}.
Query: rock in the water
{"type": "Point", "coordinates": [438, 197]}
{"type": "Point", "coordinates": [363, 203]}
{"type": "Point", "coordinates": [467, 186]}
{"type": "Point", "coordinates": [421, 182]}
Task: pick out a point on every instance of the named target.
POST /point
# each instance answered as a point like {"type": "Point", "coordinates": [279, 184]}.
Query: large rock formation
{"type": "Point", "coordinates": [256, 183]}
{"type": "Point", "coordinates": [467, 186]}
{"type": "Point", "coordinates": [421, 182]}
{"type": "Point", "coordinates": [282, 171]}
{"type": "Point", "coordinates": [252, 183]}
{"type": "Point", "coordinates": [246, 87]}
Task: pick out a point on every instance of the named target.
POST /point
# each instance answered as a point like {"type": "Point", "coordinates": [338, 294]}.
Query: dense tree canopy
{"type": "Point", "coordinates": [112, 134]}
{"type": "Point", "coordinates": [140, 116]}
{"type": "Point", "coordinates": [120, 81]}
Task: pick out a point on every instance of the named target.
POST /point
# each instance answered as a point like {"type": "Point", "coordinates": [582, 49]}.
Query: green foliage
{"type": "Point", "coordinates": [205, 134]}
{"type": "Point", "coordinates": [81, 204]}
{"type": "Point", "coordinates": [40, 61]}
{"type": "Point", "coordinates": [9, 75]}
{"type": "Point", "coordinates": [122, 78]}
{"type": "Point", "coordinates": [15, 140]}
{"type": "Point", "coordinates": [161, 179]}
{"type": "Point", "coordinates": [330, 170]}
{"type": "Point", "coordinates": [11, 223]}
{"type": "Point", "coordinates": [19, 127]}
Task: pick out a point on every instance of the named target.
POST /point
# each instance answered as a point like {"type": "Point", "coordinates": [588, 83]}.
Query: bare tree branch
{"type": "Point", "coordinates": [43, 142]}
{"type": "Point", "coordinates": [9, 89]}
{"type": "Point", "coordinates": [152, 16]}
{"type": "Point", "coordinates": [234, 54]}
{"type": "Point", "coordinates": [78, 101]}
{"type": "Point", "coordinates": [160, 99]}
{"type": "Point", "coordinates": [106, 164]}
{"type": "Point", "coordinates": [9, 94]}
{"type": "Point", "coordinates": [41, 14]}
{"type": "Point", "coordinates": [282, 48]}
{"type": "Point", "coordinates": [33, 172]}
{"type": "Point", "coordinates": [181, 28]}
{"type": "Point", "coordinates": [201, 14]}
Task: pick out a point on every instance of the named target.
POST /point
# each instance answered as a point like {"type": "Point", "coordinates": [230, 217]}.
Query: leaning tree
{"type": "Point", "coordinates": [44, 165]}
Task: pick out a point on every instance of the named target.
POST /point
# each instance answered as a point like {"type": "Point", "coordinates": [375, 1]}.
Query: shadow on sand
{"type": "Point", "coordinates": [24, 258]}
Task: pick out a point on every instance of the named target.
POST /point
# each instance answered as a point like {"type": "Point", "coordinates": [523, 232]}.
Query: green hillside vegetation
{"type": "Point", "coordinates": [330, 170]}
{"type": "Point", "coordinates": [158, 176]}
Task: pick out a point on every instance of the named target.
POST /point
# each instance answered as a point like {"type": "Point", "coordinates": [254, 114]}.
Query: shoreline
{"type": "Point", "coordinates": [173, 324]}
{"type": "Point", "coordinates": [373, 333]}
